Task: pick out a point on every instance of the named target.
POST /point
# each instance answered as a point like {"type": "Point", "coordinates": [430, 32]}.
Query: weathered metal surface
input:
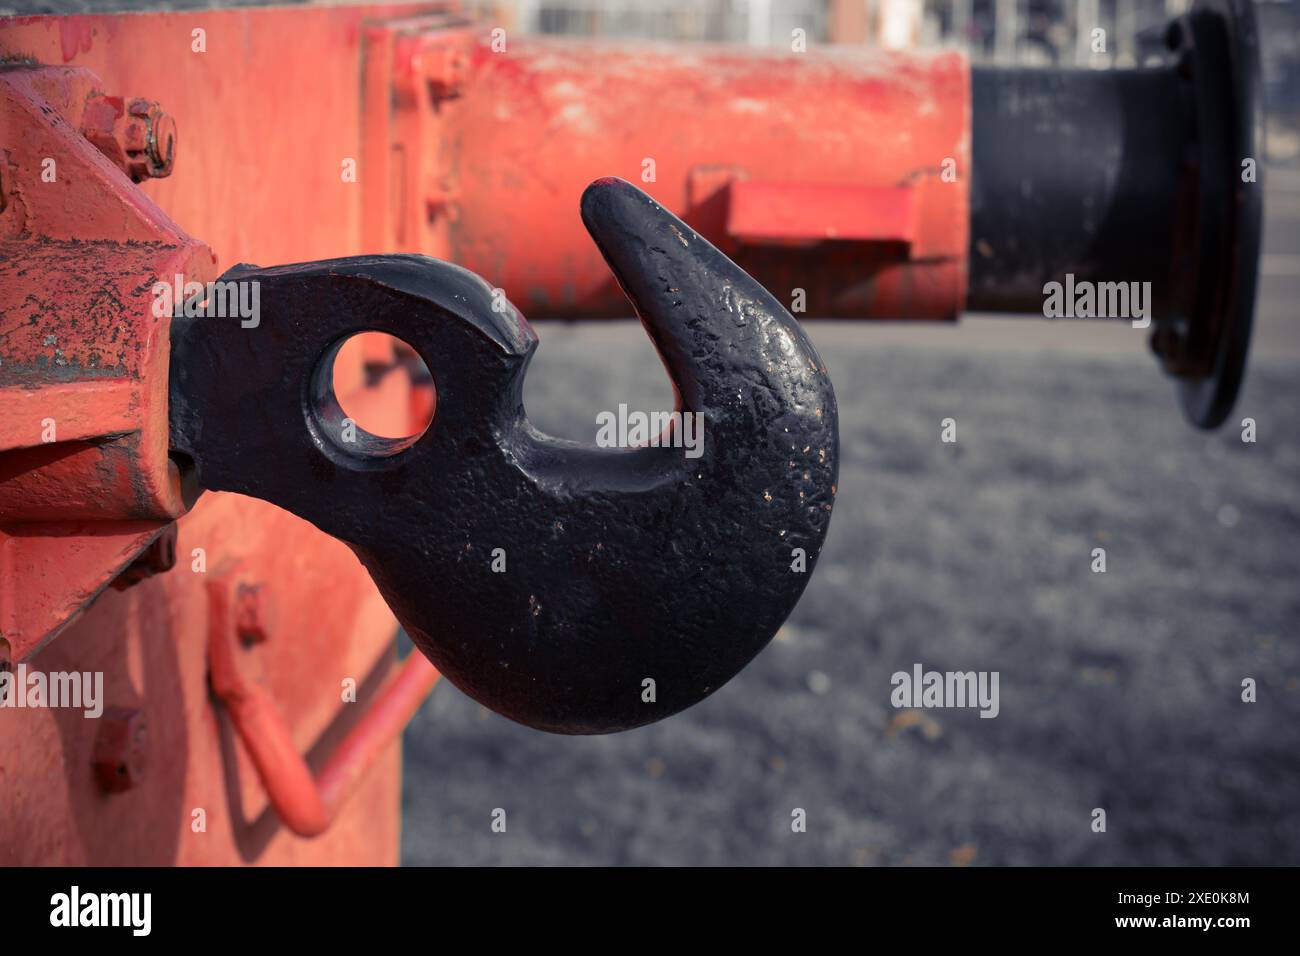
{"type": "Point", "coordinates": [459, 150]}
{"type": "Point", "coordinates": [85, 478]}
{"type": "Point", "coordinates": [255, 180]}
{"type": "Point", "coordinates": [449, 141]}
{"type": "Point", "coordinates": [621, 565]}
{"type": "Point", "coordinates": [88, 495]}
{"type": "Point", "coordinates": [414, 69]}
{"type": "Point", "coordinates": [151, 644]}
{"type": "Point", "coordinates": [669, 118]}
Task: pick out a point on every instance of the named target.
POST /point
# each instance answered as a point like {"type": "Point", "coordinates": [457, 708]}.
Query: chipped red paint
{"type": "Point", "coordinates": [80, 345]}
{"type": "Point", "coordinates": [83, 360]}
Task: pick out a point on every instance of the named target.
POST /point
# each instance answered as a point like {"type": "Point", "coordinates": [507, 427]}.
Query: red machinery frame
{"type": "Point", "coordinates": [315, 132]}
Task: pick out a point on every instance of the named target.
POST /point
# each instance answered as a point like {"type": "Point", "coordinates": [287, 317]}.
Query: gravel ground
{"type": "Point", "coordinates": [1119, 690]}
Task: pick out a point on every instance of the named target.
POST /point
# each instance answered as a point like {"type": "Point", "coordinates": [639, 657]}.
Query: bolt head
{"type": "Point", "coordinates": [252, 609]}
{"type": "Point", "coordinates": [136, 135]}
{"type": "Point", "coordinates": [120, 749]}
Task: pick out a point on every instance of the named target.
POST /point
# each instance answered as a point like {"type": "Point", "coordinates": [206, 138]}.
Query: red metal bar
{"type": "Point", "coordinates": [306, 805]}
{"type": "Point", "coordinates": [383, 722]}
{"type": "Point", "coordinates": [715, 133]}
{"type": "Point", "coordinates": [800, 213]}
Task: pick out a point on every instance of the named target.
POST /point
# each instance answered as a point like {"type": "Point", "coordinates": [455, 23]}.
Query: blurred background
{"type": "Point", "coordinates": [1119, 690]}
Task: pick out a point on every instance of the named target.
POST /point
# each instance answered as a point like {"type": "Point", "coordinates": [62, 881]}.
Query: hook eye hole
{"type": "Point", "coordinates": [371, 397]}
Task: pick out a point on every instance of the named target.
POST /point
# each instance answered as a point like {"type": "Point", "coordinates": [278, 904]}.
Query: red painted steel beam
{"type": "Point", "coordinates": [477, 154]}
{"type": "Point", "coordinates": [849, 150]}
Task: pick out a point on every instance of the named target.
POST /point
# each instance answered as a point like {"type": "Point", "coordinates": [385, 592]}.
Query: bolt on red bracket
{"type": "Point", "coordinates": [135, 134]}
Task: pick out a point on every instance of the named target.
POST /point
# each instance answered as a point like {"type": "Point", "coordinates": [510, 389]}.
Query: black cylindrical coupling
{"type": "Point", "coordinates": [1074, 172]}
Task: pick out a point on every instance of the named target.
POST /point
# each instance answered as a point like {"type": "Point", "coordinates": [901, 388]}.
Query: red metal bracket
{"type": "Point", "coordinates": [85, 478]}
{"type": "Point", "coordinates": [414, 68]}
{"type": "Point", "coordinates": [800, 213]}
